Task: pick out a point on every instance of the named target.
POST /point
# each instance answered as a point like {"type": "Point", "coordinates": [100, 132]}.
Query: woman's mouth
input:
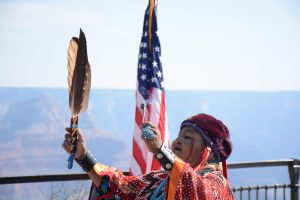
{"type": "Point", "coordinates": [177, 148]}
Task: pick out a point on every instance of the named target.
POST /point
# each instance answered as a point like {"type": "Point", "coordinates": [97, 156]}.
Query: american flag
{"type": "Point", "coordinates": [150, 92]}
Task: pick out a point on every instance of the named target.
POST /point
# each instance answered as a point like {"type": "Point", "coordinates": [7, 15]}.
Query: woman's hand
{"type": "Point", "coordinates": [81, 144]}
{"type": "Point", "coordinates": [154, 144]}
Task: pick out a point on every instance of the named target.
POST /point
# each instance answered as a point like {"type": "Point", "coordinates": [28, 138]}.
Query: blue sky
{"type": "Point", "coordinates": [206, 45]}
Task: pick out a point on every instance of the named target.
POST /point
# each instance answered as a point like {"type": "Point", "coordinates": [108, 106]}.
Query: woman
{"type": "Point", "coordinates": [191, 169]}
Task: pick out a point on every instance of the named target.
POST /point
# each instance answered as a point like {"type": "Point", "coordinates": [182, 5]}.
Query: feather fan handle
{"type": "Point", "coordinates": [79, 82]}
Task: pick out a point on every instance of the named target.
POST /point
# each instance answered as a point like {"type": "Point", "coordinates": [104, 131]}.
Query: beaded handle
{"type": "Point", "coordinates": [73, 126]}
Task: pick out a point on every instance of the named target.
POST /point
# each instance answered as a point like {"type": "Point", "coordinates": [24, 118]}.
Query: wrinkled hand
{"type": "Point", "coordinates": [81, 144]}
{"type": "Point", "coordinates": [154, 144]}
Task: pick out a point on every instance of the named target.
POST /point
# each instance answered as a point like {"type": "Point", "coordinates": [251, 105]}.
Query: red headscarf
{"type": "Point", "coordinates": [214, 132]}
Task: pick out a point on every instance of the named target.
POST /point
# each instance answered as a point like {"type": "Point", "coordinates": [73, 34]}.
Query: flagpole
{"type": "Point", "coordinates": [156, 7]}
{"type": "Point", "coordinates": [151, 6]}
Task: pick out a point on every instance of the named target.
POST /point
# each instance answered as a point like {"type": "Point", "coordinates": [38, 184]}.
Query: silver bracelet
{"type": "Point", "coordinates": [165, 157]}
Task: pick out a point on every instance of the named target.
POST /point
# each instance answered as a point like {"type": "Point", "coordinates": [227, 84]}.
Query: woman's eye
{"type": "Point", "coordinates": [187, 137]}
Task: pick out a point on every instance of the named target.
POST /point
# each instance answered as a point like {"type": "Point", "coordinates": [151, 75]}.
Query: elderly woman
{"type": "Point", "coordinates": [192, 168]}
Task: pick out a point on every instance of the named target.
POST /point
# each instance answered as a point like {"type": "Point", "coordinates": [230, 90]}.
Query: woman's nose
{"type": "Point", "coordinates": [178, 140]}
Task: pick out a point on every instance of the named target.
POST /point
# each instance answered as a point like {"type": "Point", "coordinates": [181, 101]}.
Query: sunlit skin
{"type": "Point", "coordinates": [188, 146]}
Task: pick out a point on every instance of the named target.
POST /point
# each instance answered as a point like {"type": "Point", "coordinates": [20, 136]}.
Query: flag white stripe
{"type": "Point", "coordinates": [135, 168]}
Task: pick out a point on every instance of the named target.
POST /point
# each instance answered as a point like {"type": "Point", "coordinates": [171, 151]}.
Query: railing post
{"type": "Point", "coordinates": [294, 178]}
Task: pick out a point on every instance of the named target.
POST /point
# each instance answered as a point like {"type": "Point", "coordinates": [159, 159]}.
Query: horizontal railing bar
{"type": "Point", "coordinates": [269, 163]}
{"type": "Point", "coordinates": [46, 178]}
{"type": "Point", "coordinates": [260, 187]}
{"type": "Point", "coordinates": [264, 187]}
{"type": "Point", "coordinates": [43, 178]}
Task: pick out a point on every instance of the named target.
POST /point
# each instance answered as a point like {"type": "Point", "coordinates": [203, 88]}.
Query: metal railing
{"type": "Point", "coordinates": [265, 189]}
{"type": "Point", "coordinates": [293, 166]}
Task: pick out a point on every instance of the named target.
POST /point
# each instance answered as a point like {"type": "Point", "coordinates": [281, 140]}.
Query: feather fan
{"type": "Point", "coordinates": [79, 84]}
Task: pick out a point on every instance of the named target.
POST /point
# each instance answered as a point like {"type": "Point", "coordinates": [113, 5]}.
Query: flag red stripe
{"type": "Point", "coordinates": [138, 116]}
{"type": "Point", "coordinates": [138, 156]}
{"type": "Point", "coordinates": [162, 115]}
{"type": "Point", "coordinates": [155, 165]}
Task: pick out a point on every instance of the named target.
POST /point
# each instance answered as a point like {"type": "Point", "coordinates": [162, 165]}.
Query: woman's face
{"type": "Point", "coordinates": [188, 146]}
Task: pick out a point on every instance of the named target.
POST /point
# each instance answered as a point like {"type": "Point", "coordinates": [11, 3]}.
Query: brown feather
{"type": "Point", "coordinates": [72, 55]}
{"type": "Point", "coordinates": [79, 77]}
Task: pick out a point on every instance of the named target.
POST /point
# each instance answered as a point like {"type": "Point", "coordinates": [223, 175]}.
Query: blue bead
{"type": "Point", "coordinates": [70, 161]}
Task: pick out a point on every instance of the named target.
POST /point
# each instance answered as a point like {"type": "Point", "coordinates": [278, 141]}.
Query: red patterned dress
{"type": "Point", "coordinates": [182, 184]}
